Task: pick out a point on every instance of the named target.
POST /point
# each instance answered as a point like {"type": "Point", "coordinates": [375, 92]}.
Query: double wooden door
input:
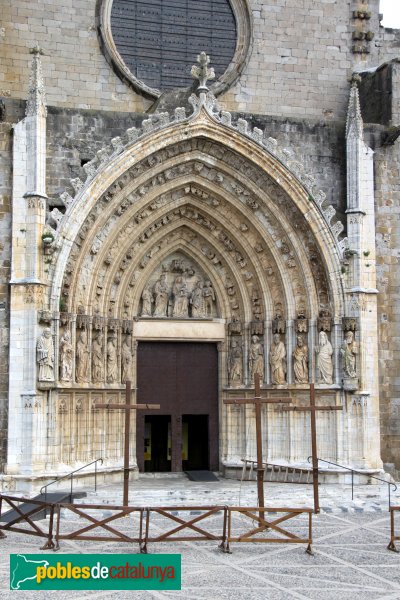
{"type": "Point", "coordinates": [183, 378]}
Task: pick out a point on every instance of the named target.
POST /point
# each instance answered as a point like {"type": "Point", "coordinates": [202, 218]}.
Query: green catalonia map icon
{"type": "Point", "coordinates": [23, 569]}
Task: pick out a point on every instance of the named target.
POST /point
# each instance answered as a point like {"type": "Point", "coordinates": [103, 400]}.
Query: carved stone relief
{"type": "Point", "coordinates": [179, 288]}
{"type": "Point", "coordinates": [230, 185]}
{"type": "Point", "coordinates": [324, 320]}
{"type": "Point", "coordinates": [278, 322]}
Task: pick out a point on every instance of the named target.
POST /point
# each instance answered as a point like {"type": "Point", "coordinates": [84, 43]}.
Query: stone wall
{"type": "Point", "coordinates": [380, 104]}
{"type": "Point", "coordinates": [299, 65]}
{"type": "Point", "coordinates": [74, 137]}
{"type": "Point", "coordinates": [5, 263]}
{"type": "Point", "coordinates": [387, 172]}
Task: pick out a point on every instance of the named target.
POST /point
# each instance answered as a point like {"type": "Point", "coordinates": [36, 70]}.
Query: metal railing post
{"type": "Point", "coordinates": [388, 483]}
{"type": "Point", "coordinates": [352, 484]}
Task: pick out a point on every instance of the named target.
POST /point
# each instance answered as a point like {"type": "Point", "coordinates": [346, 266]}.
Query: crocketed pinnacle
{"type": "Point", "coordinates": [36, 103]}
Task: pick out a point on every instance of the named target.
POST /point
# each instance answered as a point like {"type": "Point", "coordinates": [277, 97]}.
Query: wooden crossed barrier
{"type": "Point", "coordinates": [25, 518]}
{"type": "Point", "coordinates": [393, 536]}
{"type": "Point", "coordinates": [103, 529]}
{"type": "Point", "coordinates": [269, 526]}
{"type": "Point", "coordinates": [188, 524]}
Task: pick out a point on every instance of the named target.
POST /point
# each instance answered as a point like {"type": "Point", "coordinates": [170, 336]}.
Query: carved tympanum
{"type": "Point", "coordinates": [178, 289]}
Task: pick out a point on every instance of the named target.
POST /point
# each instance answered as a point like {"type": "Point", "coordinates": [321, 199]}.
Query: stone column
{"type": "Point", "coordinates": [361, 300]}
{"type": "Point", "coordinates": [289, 351]}
{"type": "Point", "coordinates": [312, 342]}
{"type": "Point", "coordinates": [28, 289]}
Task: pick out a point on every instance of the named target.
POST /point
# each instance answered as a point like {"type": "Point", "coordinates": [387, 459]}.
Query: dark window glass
{"type": "Point", "coordinates": [159, 40]}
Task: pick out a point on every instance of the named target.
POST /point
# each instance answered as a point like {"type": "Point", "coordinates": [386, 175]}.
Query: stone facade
{"type": "Point", "coordinates": [301, 53]}
{"type": "Point", "coordinates": [275, 219]}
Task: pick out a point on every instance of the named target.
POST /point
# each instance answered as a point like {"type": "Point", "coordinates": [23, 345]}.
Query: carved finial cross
{"type": "Point", "coordinates": [36, 50]}
{"type": "Point", "coordinates": [202, 72]}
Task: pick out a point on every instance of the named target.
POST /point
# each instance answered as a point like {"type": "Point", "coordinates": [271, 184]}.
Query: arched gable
{"type": "Point", "coordinates": [230, 176]}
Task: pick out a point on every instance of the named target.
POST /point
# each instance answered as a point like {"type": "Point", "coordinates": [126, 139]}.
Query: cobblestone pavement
{"type": "Point", "coordinates": [350, 544]}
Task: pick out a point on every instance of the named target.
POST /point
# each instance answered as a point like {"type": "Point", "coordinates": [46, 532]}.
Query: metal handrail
{"type": "Point", "coordinates": [388, 483]}
{"type": "Point", "coordinates": [71, 475]}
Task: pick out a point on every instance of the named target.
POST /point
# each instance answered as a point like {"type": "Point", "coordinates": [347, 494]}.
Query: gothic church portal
{"type": "Point", "coordinates": [191, 250]}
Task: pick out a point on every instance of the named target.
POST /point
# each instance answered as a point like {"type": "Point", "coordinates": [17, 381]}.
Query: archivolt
{"type": "Point", "coordinates": [245, 197]}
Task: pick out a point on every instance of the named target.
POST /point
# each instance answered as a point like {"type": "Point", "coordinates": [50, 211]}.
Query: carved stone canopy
{"type": "Point", "coordinates": [350, 324]}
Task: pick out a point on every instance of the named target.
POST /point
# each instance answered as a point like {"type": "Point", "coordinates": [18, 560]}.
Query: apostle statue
{"type": "Point", "coordinates": [161, 297]}
{"type": "Point", "coordinates": [97, 359]}
{"type": "Point", "coordinates": [82, 358]}
{"type": "Point", "coordinates": [112, 360]}
{"type": "Point", "coordinates": [349, 351]}
{"type": "Point", "coordinates": [235, 363]}
{"type": "Point", "coordinates": [324, 359]}
{"type": "Point", "coordinates": [256, 358]}
{"type": "Point", "coordinates": [300, 366]}
{"type": "Point", "coordinates": [126, 360]}
{"type": "Point", "coordinates": [66, 357]}
{"type": "Point", "coordinates": [45, 356]}
{"type": "Point", "coordinates": [277, 360]}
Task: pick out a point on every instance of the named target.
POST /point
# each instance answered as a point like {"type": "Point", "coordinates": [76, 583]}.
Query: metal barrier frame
{"type": "Point", "coordinates": [393, 536]}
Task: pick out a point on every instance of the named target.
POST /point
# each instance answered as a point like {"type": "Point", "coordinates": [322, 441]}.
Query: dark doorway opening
{"type": "Point", "coordinates": [157, 443]}
{"type": "Point", "coordinates": [183, 378]}
{"type": "Point", "coordinates": [195, 448]}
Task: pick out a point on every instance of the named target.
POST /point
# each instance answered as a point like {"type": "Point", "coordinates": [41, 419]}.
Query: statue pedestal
{"type": "Point", "coordinates": [350, 384]}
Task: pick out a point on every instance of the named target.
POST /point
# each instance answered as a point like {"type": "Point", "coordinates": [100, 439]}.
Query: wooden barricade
{"type": "Point", "coordinates": [137, 525]}
{"type": "Point", "coordinates": [393, 536]}
{"type": "Point", "coordinates": [261, 532]}
{"type": "Point", "coordinates": [88, 532]}
{"type": "Point", "coordinates": [25, 518]}
{"type": "Point", "coordinates": [175, 534]}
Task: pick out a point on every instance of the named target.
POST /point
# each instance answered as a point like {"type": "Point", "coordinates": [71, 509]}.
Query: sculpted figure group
{"type": "Point", "coordinates": [108, 359]}
{"type": "Point", "coordinates": [178, 300]}
{"type": "Point", "coordinates": [278, 359]}
{"type": "Point", "coordinates": [98, 364]}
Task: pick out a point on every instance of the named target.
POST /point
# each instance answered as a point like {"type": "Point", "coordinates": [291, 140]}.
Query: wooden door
{"type": "Point", "coordinates": [183, 378]}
